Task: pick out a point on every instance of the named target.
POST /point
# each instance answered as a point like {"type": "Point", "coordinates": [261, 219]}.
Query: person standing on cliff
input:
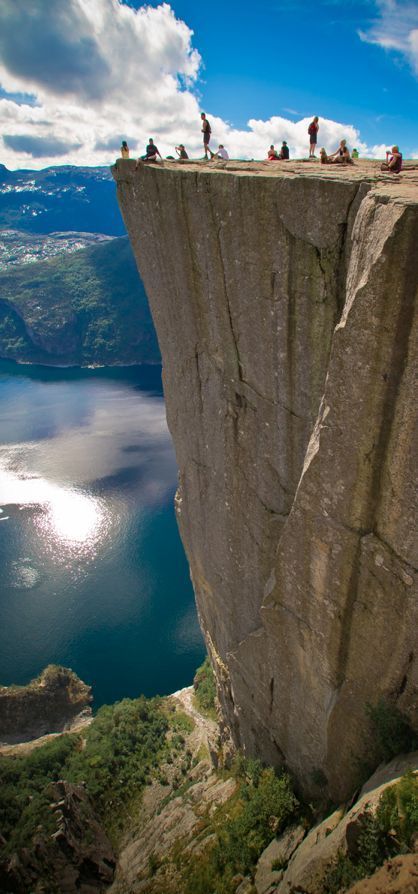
{"type": "Point", "coordinates": [206, 131]}
{"type": "Point", "coordinates": [124, 149]}
{"type": "Point", "coordinates": [313, 136]}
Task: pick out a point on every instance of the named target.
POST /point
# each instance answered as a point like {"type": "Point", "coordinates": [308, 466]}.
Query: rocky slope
{"type": "Point", "coordinates": [48, 704]}
{"type": "Point", "coordinates": [284, 300]}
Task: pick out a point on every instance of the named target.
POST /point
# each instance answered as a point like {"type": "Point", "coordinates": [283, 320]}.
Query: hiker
{"type": "Point", "coordinates": [313, 136]}
{"type": "Point", "coordinates": [284, 151]}
{"type": "Point", "coordinates": [181, 152]}
{"type": "Point", "coordinates": [354, 153]}
{"type": "Point", "coordinates": [152, 152]}
{"type": "Point", "coordinates": [341, 156]}
{"type": "Point", "coordinates": [206, 131]}
{"type": "Point", "coordinates": [221, 153]}
{"type": "Point", "coordinates": [393, 162]}
{"type": "Point", "coordinates": [124, 149]}
{"type": "Point", "coordinates": [272, 154]}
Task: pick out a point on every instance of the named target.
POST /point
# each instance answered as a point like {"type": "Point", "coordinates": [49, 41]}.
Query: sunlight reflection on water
{"type": "Point", "coordinates": [72, 518]}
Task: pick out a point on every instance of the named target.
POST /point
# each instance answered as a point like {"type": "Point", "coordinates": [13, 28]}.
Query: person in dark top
{"type": "Point", "coordinates": [181, 152]}
{"type": "Point", "coordinates": [393, 162]}
{"type": "Point", "coordinates": [284, 151]}
{"type": "Point", "coordinates": [313, 136]}
{"type": "Point", "coordinates": [341, 155]}
{"type": "Point", "coordinates": [152, 152]}
{"type": "Point", "coordinates": [206, 131]}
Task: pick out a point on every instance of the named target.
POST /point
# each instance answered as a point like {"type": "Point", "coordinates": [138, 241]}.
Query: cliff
{"type": "Point", "coordinates": [48, 704]}
{"type": "Point", "coordinates": [284, 301]}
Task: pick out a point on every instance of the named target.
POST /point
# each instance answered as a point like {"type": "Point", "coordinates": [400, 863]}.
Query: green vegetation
{"type": "Point", "coordinates": [205, 689]}
{"type": "Point", "coordinates": [262, 807]}
{"type": "Point", "coordinates": [387, 833]}
{"type": "Point", "coordinates": [123, 746]}
{"type": "Point", "coordinates": [88, 307]}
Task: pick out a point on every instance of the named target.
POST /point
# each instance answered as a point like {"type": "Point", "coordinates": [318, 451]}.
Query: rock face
{"type": "Point", "coordinates": [284, 303]}
{"type": "Point", "coordinates": [46, 705]}
{"type": "Point", "coordinates": [77, 857]}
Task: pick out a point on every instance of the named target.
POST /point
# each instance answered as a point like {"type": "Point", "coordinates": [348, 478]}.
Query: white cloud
{"type": "Point", "coordinates": [101, 71]}
{"type": "Point", "coordinates": [396, 29]}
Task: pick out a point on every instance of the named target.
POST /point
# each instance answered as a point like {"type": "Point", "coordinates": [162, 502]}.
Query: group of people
{"type": "Point", "coordinates": [342, 155]}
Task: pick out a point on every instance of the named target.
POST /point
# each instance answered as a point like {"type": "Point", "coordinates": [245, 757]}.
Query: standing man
{"type": "Point", "coordinates": [313, 136]}
{"type": "Point", "coordinates": [206, 131]}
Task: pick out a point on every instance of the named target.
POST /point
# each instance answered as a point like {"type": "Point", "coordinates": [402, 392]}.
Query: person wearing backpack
{"type": "Point", "coordinates": [206, 131]}
{"type": "Point", "coordinates": [313, 136]}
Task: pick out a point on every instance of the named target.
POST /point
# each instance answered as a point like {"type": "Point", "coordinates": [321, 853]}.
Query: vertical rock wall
{"type": "Point", "coordinates": [284, 311]}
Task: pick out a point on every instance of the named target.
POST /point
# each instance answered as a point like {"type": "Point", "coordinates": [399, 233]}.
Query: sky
{"type": "Point", "coordinates": [78, 76]}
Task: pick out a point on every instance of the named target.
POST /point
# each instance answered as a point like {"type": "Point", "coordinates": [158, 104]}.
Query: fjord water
{"type": "Point", "coordinates": [92, 571]}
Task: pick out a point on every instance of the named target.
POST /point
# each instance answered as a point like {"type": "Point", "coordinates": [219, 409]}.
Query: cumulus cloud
{"type": "Point", "coordinates": [98, 71]}
{"type": "Point", "coordinates": [396, 28]}
{"type": "Point", "coordinates": [38, 147]}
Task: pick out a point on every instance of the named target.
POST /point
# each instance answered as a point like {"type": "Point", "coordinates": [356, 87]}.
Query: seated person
{"type": "Point", "coordinates": [341, 156]}
{"type": "Point", "coordinates": [272, 154]}
{"type": "Point", "coordinates": [284, 151]}
{"type": "Point", "coordinates": [181, 152]}
{"type": "Point", "coordinates": [221, 152]}
{"type": "Point", "coordinates": [354, 153]}
{"type": "Point", "coordinates": [393, 162]}
{"type": "Point", "coordinates": [152, 152]}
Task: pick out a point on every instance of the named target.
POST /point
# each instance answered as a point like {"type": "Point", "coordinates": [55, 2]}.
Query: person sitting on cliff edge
{"type": "Point", "coordinates": [284, 152]}
{"type": "Point", "coordinates": [341, 156]}
{"type": "Point", "coordinates": [272, 154]}
{"type": "Point", "coordinates": [151, 153]}
{"type": "Point", "coordinates": [393, 162]}
{"type": "Point", "coordinates": [181, 152]}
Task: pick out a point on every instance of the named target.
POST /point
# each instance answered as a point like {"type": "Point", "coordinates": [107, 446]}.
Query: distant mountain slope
{"type": "Point", "coordinates": [62, 198]}
{"type": "Point", "coordinates": [85, 308]}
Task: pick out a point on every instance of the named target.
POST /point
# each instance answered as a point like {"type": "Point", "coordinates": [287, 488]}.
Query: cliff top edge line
{"type": "Point", "coordinates": [285, 302]}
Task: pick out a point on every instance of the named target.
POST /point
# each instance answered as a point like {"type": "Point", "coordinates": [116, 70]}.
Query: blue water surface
{"type": "Point", "coordinates": [92, 571]}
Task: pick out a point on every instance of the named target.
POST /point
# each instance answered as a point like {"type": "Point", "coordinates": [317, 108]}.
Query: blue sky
{"type": "Point", "coordinates": [77, 77]}
{"type": "Point", "coordinates": [264, 59]}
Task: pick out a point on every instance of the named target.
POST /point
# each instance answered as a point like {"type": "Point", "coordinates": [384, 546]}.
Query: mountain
{"type": "Point", "coordinates": [84, 308]}
{"type": "Point", "coordinates": [60, 198]}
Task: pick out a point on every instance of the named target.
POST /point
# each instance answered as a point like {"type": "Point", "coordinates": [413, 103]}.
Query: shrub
{"type": "Point", "coordinates": [205, 688]}
{"type": "Point", "coordinates": [388, 832]}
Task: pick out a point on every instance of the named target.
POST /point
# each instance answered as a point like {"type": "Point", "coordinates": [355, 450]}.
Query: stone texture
{"type": "Point", "coordinates": [77, 858]}
{"type": "Point", "coordinates": [278, 851]}
{"type": "Point", "coordinates": [397, 876]}
{"type": "Point", "coordinates": [336, 834]}
{"type": "Point", "coordinates": [285, 308]}
{"type": "Point", "coordinates": [48, 704]}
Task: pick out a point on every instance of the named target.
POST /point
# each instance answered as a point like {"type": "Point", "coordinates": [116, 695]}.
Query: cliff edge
{"type": "Point", "coordinates": [284, 298]}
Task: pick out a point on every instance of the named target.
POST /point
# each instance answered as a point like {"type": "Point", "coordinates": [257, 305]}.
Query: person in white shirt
{"type": "Point", "coordinates": [221, 153]}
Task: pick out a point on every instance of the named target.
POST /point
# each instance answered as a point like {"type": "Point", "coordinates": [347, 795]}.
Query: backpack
{"type": "Point", "coordinates": [311, 129]}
